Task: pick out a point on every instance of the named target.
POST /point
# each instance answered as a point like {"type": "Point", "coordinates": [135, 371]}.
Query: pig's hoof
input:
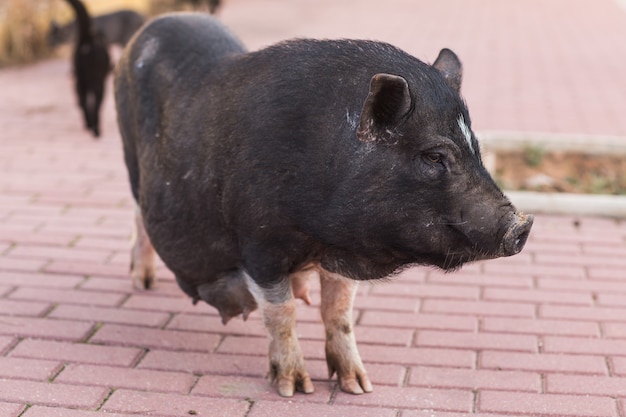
{"type": "Point", "coordinates": [353, 380]}
{"type": "Point", "coordinates": [143, 278]}
{"type": "Point", "coordinates": [294, 381]}
{"type": "Point", "coordinates": [287, 386]}
{"type": "Point", "coordinates": [359, 384]}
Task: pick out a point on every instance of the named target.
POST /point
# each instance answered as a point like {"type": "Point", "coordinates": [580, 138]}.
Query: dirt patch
{"type": "Point", "coordinates": [533, 169]}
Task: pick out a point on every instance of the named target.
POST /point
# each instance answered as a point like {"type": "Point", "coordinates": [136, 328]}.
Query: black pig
{"type": "Point", "coordinates": [349, 160]}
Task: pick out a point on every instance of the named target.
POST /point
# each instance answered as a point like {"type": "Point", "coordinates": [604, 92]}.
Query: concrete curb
{"type": "Point", "coordinates": [569, 204]}
{"type": "Point", "coordinates": [575, 143]}
{"type": "Point", "coordinates": [561, 203]}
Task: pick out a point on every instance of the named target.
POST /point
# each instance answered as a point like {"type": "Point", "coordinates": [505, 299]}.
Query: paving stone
{"type": "Point", "coordinates": [475, 379]}
{"type": "Point", "coordinates": [277, 408]}
{"type": "Point", "coordinates": [46, 393]}
{"type": "Point", "coordinates": [539, 326]}
{"type": "Point", "coordinates": [137, 379]}
{"type": "Point", "coordinates": [478, 341]}
{"type": "Point", "coordinates": [43, 411]}
{"type": "Point", "coordinates": [110, 315]}
{"type": "Point", "coordinates": [411, 398]}
{"type": "Point", "coordinates": [76, 352]}
{"type": "Point", "coordinates": [34, 369]}
{"type": "Point", "coordinates": [136, 402]}
{"type": "Point", "coordinates": [155, 338]}
{"type": "Point", "coordinates": [586, 385]}
{"type": "Point", "coordinates": [544, 362]}
{"type": "Point", "coordinates": [11, 409]}
{"type": "Point", "coordinates": [546, 404]}
{"type": "Point", "coordinates": [40, 327]}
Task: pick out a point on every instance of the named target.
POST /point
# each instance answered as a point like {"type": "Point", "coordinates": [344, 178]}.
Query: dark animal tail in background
{"type": "Point", "coordinates": [213, 5]}
{"type": "Point", "coordinates": [116, 28]}
{"type": "Point", "coordinates": [92, 64]}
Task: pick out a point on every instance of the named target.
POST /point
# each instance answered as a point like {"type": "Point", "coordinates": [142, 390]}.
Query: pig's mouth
{"type": "Point", "coordinates": [454, 261]}
{"type": "Point", "coordinates": [513, 238]}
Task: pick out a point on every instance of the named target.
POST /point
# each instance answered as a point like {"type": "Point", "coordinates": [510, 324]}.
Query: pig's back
{"type": "Point", "coordinates": [161, 70]}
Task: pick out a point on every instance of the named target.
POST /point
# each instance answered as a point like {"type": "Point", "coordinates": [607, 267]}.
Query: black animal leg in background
{"type": "Point", "coordinates": [92, 65]}
{"type": "Point", "coordinates": [98, 95]}
{"type": "Point", "coordinates": [83, 103]}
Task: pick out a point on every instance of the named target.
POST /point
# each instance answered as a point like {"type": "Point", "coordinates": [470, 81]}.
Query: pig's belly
{"type": "Point", "coordinates": [188, 238]}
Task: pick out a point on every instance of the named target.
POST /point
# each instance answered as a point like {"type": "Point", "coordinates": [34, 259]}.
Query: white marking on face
{"type": "Point", "coordinates": [352, 119]}
{"type": "Point", "coordinates": [466, 132]}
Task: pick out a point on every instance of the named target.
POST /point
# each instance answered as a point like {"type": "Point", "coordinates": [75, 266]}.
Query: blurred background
{"type": "Point", "coordinates": [539, 75]}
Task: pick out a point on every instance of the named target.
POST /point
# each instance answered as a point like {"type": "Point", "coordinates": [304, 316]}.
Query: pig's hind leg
{"type": "Point", "coordinates": [278, 307]}
{"type": "Point", "coordinates": [342, 355]}
{"type": "Point", "coordinates": [142, 269]}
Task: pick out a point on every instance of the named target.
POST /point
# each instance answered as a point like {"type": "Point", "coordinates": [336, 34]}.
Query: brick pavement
{"type": "Point", "coordinates": [541, 333]}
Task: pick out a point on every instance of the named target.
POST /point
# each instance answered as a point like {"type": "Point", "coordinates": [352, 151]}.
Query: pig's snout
{"type": "Point", "coordinates": [517, 234]}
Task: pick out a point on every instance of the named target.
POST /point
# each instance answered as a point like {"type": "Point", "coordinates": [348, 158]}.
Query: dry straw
{"type": "Point", "coordinates": [24, 25]}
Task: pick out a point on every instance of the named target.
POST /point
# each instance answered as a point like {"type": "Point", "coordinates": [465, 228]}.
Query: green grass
{"type": "Point", "coordinates": [533, 155]}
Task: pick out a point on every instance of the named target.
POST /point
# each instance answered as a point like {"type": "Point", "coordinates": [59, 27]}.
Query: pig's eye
{"type": "Point", "coordinates": [432, 164]}
{"type": "Point", "coordinates": [433, 158]}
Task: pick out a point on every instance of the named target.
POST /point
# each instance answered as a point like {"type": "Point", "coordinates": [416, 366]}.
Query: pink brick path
{"type": "Point", "coordinates": [542, 333]}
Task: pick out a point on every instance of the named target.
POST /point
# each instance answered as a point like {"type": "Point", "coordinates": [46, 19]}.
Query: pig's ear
{"type": "Point", "coordinates": [387, 102]}
{"type": "Point", "coordinates": [450, 67]}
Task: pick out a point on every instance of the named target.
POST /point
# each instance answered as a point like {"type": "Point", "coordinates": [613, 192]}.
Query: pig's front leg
{"type": "Point", "coordinates": [278, 307]}
{"type": "Point", "coordinates": [342, 355]}
{"type": "Point", "coordinates": [142, 270]}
